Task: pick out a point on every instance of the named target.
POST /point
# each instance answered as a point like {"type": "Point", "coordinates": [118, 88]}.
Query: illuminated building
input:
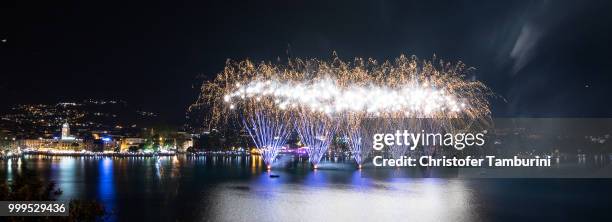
{"type": "Point", "coordinates": [128, 143]}
{"type": "Point", "coordinates": [65, 142]}
{"type": "Point", "coordinates": [66, 132]}
{"type": "Point", "coordinates": [53, 144]}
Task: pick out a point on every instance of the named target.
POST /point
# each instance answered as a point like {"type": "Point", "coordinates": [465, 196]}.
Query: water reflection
{"type": "Point", "coordinates": [106, 186]}
{"type": "Point", "coordinates": [189, 188]}
{"type": "Point", "coordinates": [65, 170]}
{"type": "Point", "coordinates": [9, 168]}
{"type": "Point", "coordinates": [327, 195]}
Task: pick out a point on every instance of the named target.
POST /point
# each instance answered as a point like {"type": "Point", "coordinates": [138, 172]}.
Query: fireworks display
{"type": "Point", "coordinates": [316, 131]}
{"type": "Point", "coordinates": [359, 130]}
{"type": "Point", "coordinates": [324, 95]}
{"type": "Point", "coordinates": [269, 131]}
{"type": "Point", "coordinates": [319, 99]}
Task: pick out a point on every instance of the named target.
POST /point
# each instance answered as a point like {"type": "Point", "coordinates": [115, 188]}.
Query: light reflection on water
{"type": "Point", "coordinates": [320, 197]}
{"type": "Point", "coordinates": [66, 171]}
{"type": "Point", "coordinates": [221, 188]}
{"type": "Point", "coordinates": [106, 189]}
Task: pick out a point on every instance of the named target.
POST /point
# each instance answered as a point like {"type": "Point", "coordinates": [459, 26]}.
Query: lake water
{"type": "Point", "coordinates": [207, 188]}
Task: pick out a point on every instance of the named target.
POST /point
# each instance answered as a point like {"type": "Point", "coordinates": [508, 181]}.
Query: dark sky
{"type": "Point", "coordinates": [546, 58]}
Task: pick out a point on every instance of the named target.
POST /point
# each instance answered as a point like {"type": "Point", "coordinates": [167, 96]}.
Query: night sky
{"type": "Point", "coordinates": [544, 58]}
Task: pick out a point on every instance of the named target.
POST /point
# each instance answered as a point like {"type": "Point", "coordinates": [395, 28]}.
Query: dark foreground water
{"type": "Point", "coordinates": [189, 188]}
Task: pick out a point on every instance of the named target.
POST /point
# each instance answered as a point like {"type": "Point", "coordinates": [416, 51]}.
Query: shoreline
{"type": "Point", "coordinates": [113, 154]}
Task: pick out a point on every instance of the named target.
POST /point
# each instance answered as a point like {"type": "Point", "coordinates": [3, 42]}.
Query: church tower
{"type": "Point", "coordinates": [65, 131]}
